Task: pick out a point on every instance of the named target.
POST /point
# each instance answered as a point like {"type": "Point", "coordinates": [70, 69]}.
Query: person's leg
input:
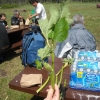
{"type": "Point", "coordinates": [1, 58]}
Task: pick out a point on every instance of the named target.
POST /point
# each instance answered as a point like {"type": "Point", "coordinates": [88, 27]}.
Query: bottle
{"type": "Point", "coordinates": [83, 64]}
{"type": "Point", "coordinates": [98, 57]}
{"type": "Point", "coordinates": [96, 79]}
{"type": "Point", "coordinates": [73, 77]}
{"type": "Point", "coordinates": [75, 63]}
{"type": "Point", "coordinates": [80, 54]}
{"type": "Point", "coordinates": [88, 55]}
{"type": "Point", "coordinates": [21, 22]}
{"type": "Point", "coordinates": [76, 54]}
{"type": "Point", "coordinates": [99, 78]}
{"type": "Point", "coordinates": [87, 79]}
{"type": "Point", "coordinates": [79, 81]}
{"type": "Point", "coordinates": [93, 55]}
{"type": "Point", "coordinates": [83, 55]}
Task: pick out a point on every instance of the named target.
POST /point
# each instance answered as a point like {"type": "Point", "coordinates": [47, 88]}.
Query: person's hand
{"type": "Point", "coordinates": [7, 27]}
{"type": "Point", "coordinates": [20, 17]}
{"type": "Point", "coordinates": [52, 94]}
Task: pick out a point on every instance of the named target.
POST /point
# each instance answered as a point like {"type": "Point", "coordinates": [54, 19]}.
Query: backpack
{"type": "Point", "coordinates": [31, 43]}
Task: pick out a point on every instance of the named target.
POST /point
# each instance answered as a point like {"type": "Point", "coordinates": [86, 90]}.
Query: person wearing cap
{"type": "Point", "coordinates": [79, 38]}
{"type": "Point", "coordinates": [17, 18]}
{"type": "Point", "coordinates": [40, 12]}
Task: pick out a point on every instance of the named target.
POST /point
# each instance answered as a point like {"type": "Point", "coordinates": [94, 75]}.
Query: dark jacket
{"type": "Point", "coordinates": [16, 21]}
{"type": "Point", "coordinates": [4, 23]}
{"type": "Point", "coordinates": [4, 40]}
{"type": "Point", "coordinates": [78, 39]}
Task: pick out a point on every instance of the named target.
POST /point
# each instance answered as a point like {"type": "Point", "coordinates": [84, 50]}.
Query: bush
{"type": "Point", "coordinates": [7, 6]}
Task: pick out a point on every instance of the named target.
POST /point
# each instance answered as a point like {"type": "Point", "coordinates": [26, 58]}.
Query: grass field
{"type": "Point", "coordinates": [12, 64]}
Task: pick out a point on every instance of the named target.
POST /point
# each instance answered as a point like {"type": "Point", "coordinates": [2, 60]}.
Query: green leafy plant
{"type": "Point", "coordinates": [8, 6]}
{"type": "Point", "coordinates": [55, 29]}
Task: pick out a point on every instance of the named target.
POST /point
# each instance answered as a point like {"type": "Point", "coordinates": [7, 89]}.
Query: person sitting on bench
{"type": "Point", "coordinates": [79, 38]}
{"type": "Point", "coordinates": [16, 19]}
{"type": "Point", "coordinates": [4, 40]}
{"type": "Point", "coordinates": [3, 20]}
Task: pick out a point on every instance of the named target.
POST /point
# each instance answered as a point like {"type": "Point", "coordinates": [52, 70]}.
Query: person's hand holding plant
{"type": "Point", "coordinates": [53, 94]}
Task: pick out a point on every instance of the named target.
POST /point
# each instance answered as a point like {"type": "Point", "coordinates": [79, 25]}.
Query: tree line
{"type": "Point", "coordinates": [27, 1]}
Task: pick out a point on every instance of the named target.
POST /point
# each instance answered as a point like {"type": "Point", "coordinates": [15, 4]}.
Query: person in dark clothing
{"type": "Point", "coordinates": [4, 40]}
{"type": "Point", "coordinates": [16, 19]}
{"type": "Point", "coordinates": [3, 20]}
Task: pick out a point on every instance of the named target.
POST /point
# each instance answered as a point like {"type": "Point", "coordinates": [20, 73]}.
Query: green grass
{"type": "Point", "coordinates": [12, 65]}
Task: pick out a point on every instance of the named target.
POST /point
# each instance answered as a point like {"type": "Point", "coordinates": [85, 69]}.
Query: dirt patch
{"type": "Point", "coordinates": [3, 73]}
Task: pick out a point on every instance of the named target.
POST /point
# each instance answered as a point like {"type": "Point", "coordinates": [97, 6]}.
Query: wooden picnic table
{"type": "Point", "coordinates": [71, 94]}
{"type": "Point", "coordinates": [16, 35]}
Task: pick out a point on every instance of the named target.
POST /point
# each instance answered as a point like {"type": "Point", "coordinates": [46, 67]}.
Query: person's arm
{"type": "Point", "coordinates": [30, 15]}
{"type": "Point", "coordinates": [38, 11]}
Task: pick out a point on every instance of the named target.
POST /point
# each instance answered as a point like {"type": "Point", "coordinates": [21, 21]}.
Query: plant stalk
{"type": "Point", "coordinates": [43, 85]}
{"type": "Point", "coordinates": [61, 76]}
{"type": "Point", "coordinates": [61, 72]}
{"type": "Point", "coordinates": [53, 73]}
{"type": "Point", "coordinates": [56, 79]}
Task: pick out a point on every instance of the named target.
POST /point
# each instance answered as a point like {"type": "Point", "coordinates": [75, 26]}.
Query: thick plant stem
{"type": "Point", "coordinates": [48, 42]}
{"type": "Point", "coordinates": [43, 85]}
{"type": "Point", "coordinates": [53, 73]}
{"type": "Point", "coordinates": [52, 79]}
{"type": "Point", "coordinates": [56, 79]}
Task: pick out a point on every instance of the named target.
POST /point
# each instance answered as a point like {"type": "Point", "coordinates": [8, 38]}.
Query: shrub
{"type": "Point", "coordinates": [7, 6]}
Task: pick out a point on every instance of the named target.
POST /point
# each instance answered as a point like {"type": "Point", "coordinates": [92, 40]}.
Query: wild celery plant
{"type": "Point", "coordinates": [55, 29]}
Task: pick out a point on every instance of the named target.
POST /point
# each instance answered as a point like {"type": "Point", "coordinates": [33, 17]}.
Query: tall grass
{"type": "Point", "coordinates": [12, 64]}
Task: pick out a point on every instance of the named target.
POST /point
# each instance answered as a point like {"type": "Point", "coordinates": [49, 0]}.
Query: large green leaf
{"type": "Point", "coordinates": [43, 26]}
{"type": "Point", "coordinates": [61, 30]}
{"type": "Point", "coordinates": [46, 24]}
{"type": "Point", "coordinates": [44, 52]}
{"type": "Point", "coordinates": [54, 16]}
{"type": "Point", "coordinates": [51, 32]}
{"type": "Point", "coordinates": [64, 12]}
{"type": "Point", "coordinates": [51, 35]}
